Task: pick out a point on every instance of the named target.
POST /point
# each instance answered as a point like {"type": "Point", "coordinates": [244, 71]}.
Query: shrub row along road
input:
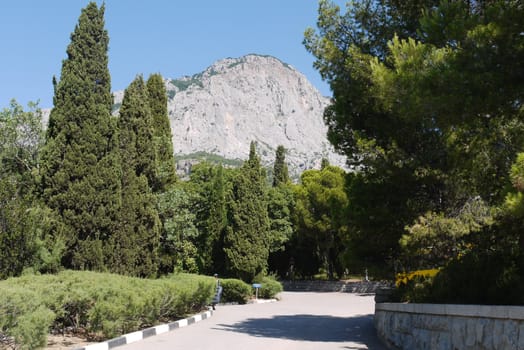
{"type": "Point", "coordinates": [316, 321]}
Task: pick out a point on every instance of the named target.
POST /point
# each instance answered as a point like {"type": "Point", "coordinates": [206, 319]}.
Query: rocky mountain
{"type": "Point", "coordinates": [215, 114]}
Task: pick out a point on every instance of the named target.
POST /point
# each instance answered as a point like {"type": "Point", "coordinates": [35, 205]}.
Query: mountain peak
{"type": "Point", "coordinates": [250, 98]}
{"type": "Point", "coordinates": [219, 111]}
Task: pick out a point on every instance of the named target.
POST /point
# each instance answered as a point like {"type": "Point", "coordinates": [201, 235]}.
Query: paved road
{"type": "Point", "coordinates": [316, 321]}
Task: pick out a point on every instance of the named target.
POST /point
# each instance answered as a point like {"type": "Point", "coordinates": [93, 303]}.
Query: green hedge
{"type": "Point", "coordinates": [235, 291]}
{"type": "Point", "coordinates": [270, 287]}
{"type": "Point", "coordinates": [99, 304]}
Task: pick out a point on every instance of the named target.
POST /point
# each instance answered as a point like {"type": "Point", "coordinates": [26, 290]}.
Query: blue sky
{"type": "Point", "coordinates": [173, 37]}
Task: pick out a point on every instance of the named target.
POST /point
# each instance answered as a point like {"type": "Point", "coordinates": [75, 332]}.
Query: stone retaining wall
{"type": "Point", "coordinates": [446, 326]}
{"type": "Point", "coordinates": [361, 287]}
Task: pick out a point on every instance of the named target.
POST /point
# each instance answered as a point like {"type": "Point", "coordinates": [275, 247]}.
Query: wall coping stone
{"type": "Point", "coordinates": [476, 311]}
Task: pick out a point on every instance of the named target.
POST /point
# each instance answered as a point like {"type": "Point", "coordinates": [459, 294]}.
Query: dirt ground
{"type": "Point", "coordinates": [63, 342]}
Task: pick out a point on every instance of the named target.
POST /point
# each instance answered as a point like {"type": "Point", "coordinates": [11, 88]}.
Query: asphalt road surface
{"type": "Point", "coordinates": [300, 320]}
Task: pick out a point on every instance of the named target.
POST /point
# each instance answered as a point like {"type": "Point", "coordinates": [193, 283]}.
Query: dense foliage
{"type": "Point", "coordinates": [235, 291]}
{"type": "Point", "coordinates": [80, 166]}
{"type": "Point", "coordinates": [317, 243]}
{"type": "Point", "coordinates": [270, 287]}
{"type": "Point", "coordinates": [165, 175]}
{"type": "Point", "coordinates": [98, 305]}
{"type": "Point", "coordinates": [25, 224]}
{"type": "Point", "coordinates": [427, 106]}
{"type": "Point", "coordinates": [135, 243]}
{"type": "Point", "coordinates": [246, 241]}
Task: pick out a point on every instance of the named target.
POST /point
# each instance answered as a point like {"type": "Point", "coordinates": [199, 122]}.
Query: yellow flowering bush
{"type": "Point", "coordinates": [413, 286]}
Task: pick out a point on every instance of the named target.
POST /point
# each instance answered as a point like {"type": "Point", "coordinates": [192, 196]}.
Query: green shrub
{"type": "Point", "coordinates": [485, 277]}
{"type": "Point", "coordinates": [235, 291]}
{"type": "Point", "coordinates": [23, 318]}
{"type": "Point", "coordinates": [103, 305]}
{"type": "Point", "coordinates": [270, 287]}
{"type": "Point", "coordinates": [32, 328]}
{"type": "Point", "coordinates": [413, 286]}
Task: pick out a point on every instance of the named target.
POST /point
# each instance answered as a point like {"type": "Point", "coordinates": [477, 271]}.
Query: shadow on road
{"type": "Point", "coordinates": [316, 328]}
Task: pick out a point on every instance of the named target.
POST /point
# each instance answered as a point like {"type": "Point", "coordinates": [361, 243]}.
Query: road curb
{"type": "Point", "coordinates": [146, 333]}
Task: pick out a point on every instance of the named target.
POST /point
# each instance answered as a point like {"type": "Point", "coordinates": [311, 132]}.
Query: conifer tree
{"type": "Point", "coordinates": [280, 203]}
{"type": "Point", "coordinates": [280, 171]}
{"type": "Point", "coordinates": [136, 242]}
{"type": "Point", "coordinates": [80, 165]}
{"type": "Point", "coordinates": [216, 223]}
{"type": "Point", "coordinates": [246, 242]}
{"type": "Point", "coordinates": [163, 142]}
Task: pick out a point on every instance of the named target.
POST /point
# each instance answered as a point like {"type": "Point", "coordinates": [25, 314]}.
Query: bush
{"type": "Point", "coordinates": [235, 291]}
{"type": "Point", "coordinates": [22, 318]}
{"type": "Point", "coordinates": [270, 287]}
{"type": "Point", "coordinates": [99, 304]}
{"type": "Point", "coordinates": [487, 277]}
{"type": "Point", "coordinates": [32, 328]}
{"type": "Point", "coordinates": [413, 286]}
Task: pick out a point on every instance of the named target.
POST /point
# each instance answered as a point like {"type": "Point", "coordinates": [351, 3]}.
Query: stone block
{"type": "Point", "coordinates": [498, 331]}
{"type": "Point", "coordinates": [422, 339]}
{"type": "Point", "coordinates": [403, 323]}
{"type": "Point", "coordinates": [458, 333]}
{"type": "Point", "coordinates": [484, 330]}
{"type": "Point", "coordinates": [510, 335]}
{"type": "Point", "coordinates": [471, 334]}
{"type": "Point", "coordinates": [407, 342]}
{"type": "Point", "coordinates": [438, 323]}
{"type": "Point", "coordinates": [521, 336]}
{"type": "Point", "coordinates": [440, 341]}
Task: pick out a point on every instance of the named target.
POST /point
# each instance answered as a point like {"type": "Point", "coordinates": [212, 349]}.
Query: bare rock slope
{"type": "Point", "coordinates": [253, 98]}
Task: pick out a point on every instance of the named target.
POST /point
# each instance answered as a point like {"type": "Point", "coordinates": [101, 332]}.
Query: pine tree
{"type": "Point", "coordinates": [246, 242]}
{"type": "Point", "coordinates": [280, 171]}
{"type": "Point", "coordinates": [136, 242]}
{"type": "Point", "coordinates": [80, 164]}
{"type": "Point", "coordinates": [165, 165]}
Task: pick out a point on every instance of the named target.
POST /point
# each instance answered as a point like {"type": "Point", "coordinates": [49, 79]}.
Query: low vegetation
{"type": "Point", "coordinates": [97, 305]}
{"type": "Point", "coordinates": [270, 287]}
{"type": "Point", "coordinates": [235, 291]}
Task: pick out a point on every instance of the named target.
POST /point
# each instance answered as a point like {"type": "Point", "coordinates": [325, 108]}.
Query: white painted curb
{"type": "Point", "coordinates": [149, 332]}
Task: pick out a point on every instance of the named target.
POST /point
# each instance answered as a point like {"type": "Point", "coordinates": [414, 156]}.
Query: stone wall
{"type": "Point", "coordinates": [446, 326]}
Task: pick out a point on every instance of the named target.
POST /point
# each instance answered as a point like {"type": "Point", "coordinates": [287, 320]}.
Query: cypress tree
{"type": "Point", "coordinates": [163, 142]}
{"type": "Point", "coordinates": [136, 242]}
{"type": "Point", "coordinates": [80, 165]}
{"type": "Point", "coordinates": [280, 171]}
{"type": "Point", "coordinates": [216, 224]}
{"type": "Point", "coordinates": [246, 242]}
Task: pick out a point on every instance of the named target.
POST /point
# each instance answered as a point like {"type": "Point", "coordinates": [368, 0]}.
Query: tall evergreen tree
{"type": "Point", "coordinates": [80, 164]}
{"type": "Point", "coordinates": [246, 242]}
{"type": "Point", "coordinates": [280, 171]}
{"type": "Point", "coordinates": [136, 242]}
{"type": "Point", "coordinates": [163, 142]}
{"type": "Point", "coordinates": [216, 223]}
{"type": "Point", "coordinates": [280, 203]}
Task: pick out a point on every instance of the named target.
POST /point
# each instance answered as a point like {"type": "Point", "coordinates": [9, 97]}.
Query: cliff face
{"type": "Point", "coordinates": [252, 98]}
